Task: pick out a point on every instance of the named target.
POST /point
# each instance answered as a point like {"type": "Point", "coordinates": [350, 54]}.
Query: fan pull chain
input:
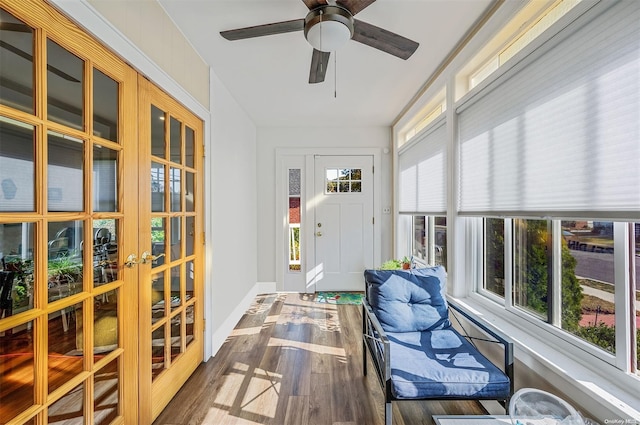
{"type": "Point", "coordinates": [335, 74]}
{"type": "Point", "coordinates": [320, 23]}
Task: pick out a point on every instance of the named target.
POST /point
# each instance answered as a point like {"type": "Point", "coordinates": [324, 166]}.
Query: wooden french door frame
{"type": "Point", "coordinates": [157, 389]}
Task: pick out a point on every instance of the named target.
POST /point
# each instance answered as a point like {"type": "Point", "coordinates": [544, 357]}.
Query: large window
{"type": "Point", "coordinates": [564, 274]}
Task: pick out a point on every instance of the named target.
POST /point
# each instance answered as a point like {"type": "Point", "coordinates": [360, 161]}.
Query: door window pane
{"type": "Point", "coordinates": [158, 361]}
{"type": "Point", "coordinates": [189, 280]}
{"type": "Point", "coordinates": [105, 106]}
{"type": "Point", "coordinates": [105, 179]}
{"type": "Point", "coordinates": [157, 187]}
{"type": "Point", "coordinates": [190, 239]}
{"type": "Point", "coordinates": [105, 324]}
{"type": "Point", "coordinates": [68, 410]}
{"type": "Point", "coordinates": [175, 182]}
{"type": "Point", "coordinates": [65, 187]}
{"type": "Point", "coordinates": [531, 266]}
{"type": "Point", "coordinates": [189, 147]}
{"type": "Point", "coordinates": [105, 251]}
{"type": "Point", "coordinates": [176, 238]}
{"type": "Point", "coordinates": [176, 282]}
{"type": "Point", "coordinates": [157, 297]}
{"type": "Point", "coordinates": [16, 63]}
{"type": "Point", "coordinates": [588, 307]}
{"type": "Point", "coordinates": [189, 192]}
{"type": "Point", "coordinates": [157, 132]}
{"type": "Point", "coordinates": [176, 141]}
{"type": "Point", "coordinates": [494, 256]}
{"type": "Point", "coordinates": [64, 268]}
{"type": "Point", "coordinates": [65, 73]}
{"type": "Point", "coordinates": [17, 187]}
{"type": "Point", "coordinates": [347, 180]}
{"type": "Point", "coordinates": [158, 232]}
{"type": "Point", "coordinates": [16, 268]}
{"type": "Point", "coordinates": [190, 333]}
{"type": "Point", "coordinates": [17, 371]}
{"type": "Point", "coordinates": [106, 384]}
{"type": "Point", "coordinates": [176, 335]}
{"type": "Point", "coordinates": [65, 355]}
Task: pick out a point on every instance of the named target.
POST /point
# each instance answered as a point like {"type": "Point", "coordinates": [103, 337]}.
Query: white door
{"type": "Point", "coordinates": [343, 225]}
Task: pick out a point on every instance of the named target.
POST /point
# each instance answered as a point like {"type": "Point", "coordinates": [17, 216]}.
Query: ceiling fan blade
{"type": "Point", "coordinates": [262, 30]}
{"type": "Point", "coordinates": [312, 4]}
{"type": "Point", "coordinates": [355, 6]}
{"type": "Point", "coordinates": [384, 40]}
{"type": "Point", "coordinates": [319, 63]}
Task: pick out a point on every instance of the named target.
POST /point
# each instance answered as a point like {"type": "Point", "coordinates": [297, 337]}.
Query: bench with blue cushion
{"type": "Point", "coordinates": [417, 353]}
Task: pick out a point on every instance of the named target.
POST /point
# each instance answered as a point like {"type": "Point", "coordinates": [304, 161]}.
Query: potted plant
{"type": "Point", "coordinates": [23, 283]}
{"type": "Point", "coordinates": [67, 271]}
{"type": "Point", "coordinates": [393, 264]}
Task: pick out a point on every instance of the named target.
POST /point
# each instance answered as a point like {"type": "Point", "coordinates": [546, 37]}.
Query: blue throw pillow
{"type": "Point", "coordinates": [408, 300]}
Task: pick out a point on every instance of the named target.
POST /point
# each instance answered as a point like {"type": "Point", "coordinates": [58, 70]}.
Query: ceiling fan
{"type": "Point", "coordinates": [328, 25]}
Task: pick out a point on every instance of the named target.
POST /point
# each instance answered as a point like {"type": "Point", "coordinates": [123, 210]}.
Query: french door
{"type": "Point", "coordinates": [171, 242]}
{"type": "Point", "coordinates": [68, 151]}
{"type": "Point", "coordinates": [100, 218]}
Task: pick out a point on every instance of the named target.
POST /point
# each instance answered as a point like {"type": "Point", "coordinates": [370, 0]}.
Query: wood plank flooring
{"type": "Point", "coordinates": [292, 361]}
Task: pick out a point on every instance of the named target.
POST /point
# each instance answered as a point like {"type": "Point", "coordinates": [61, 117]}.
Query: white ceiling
{"type": "Point", "coordinates": [268, 76]}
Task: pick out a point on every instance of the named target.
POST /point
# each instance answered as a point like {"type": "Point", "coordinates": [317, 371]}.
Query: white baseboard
{"type": "Point", "coordinates": [266, 287]}
{"type": "Point", "coordinates": [224, 330]}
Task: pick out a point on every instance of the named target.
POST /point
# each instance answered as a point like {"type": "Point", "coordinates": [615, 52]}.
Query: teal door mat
{"type": "Point", "coordinates": [339, 297]}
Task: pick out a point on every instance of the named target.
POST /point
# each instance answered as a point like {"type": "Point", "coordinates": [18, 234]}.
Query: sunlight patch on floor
{"type": "Point", "coordinates": [258, 395]}
{"type": "Point", "coordinates": [314, 348]}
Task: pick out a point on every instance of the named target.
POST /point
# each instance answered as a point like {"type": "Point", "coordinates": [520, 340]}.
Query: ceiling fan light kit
{"type": "Point", "coordinates": [329, 25]}
{"type": "Point", "coordinates": [328, 28]}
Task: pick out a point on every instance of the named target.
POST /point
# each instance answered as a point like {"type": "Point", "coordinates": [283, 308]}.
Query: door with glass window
{"type": "Point", "coordinates": [343, 226]}
{"type": "Point", "coordinates": [68, 215]}
{"type": "Point", "coordinates": [171, 241]}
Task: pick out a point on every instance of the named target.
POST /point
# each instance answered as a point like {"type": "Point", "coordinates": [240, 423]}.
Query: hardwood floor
{"type": "Point", "coordinates": [292, 361]}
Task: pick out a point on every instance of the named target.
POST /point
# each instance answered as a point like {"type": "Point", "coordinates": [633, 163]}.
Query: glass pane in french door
{"type": "Point", "coordinates": [64, 295]}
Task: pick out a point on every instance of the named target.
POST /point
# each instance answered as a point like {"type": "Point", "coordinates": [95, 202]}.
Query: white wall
{"type": "Point", "coordinates": [233, 248]}
{"type": "Point", "coordinates": [147, 25]}
{"type": "Point", "coordinates": [270, 138]}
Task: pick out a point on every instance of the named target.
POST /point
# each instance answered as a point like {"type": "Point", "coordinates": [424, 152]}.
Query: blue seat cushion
{"type": "Point", "coordinates": [408, 300]}
{"type": "Point", "coordinates": [442, 364]}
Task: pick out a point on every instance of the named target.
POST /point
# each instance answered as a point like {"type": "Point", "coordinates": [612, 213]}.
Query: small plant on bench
{"type": "Point", "coordinates": [416, 352]}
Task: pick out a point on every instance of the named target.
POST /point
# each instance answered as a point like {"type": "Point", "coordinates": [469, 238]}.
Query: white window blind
{"type": "Point", "coordinates": [561, 134]}
{"type": "Point", "coordinates": [422, 173]}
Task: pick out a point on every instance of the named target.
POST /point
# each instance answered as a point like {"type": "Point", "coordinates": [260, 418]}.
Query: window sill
{"type": "Point", "coordinates": [596, 388]}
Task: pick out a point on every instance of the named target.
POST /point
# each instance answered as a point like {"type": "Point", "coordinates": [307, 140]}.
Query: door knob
{"type": "Point", "coordinates": [132, 260]}
{"type": "Point", "coordinates": [147, 257]}
{"type": "Point", "coordinates": [318, 233]}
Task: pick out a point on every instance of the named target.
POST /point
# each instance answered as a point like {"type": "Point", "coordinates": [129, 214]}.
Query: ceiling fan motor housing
{"type": "Point", "coordinates": [328, 27]}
